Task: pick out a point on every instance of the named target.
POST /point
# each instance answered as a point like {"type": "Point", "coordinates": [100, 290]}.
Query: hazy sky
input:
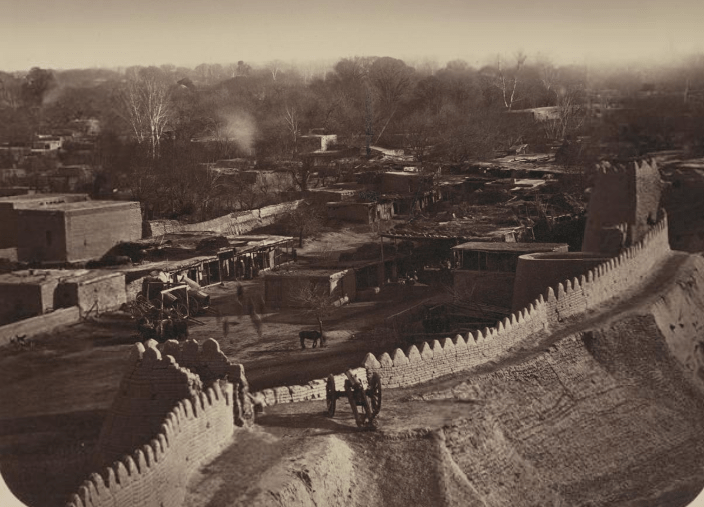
{"type": "Point", "coordinates": [88, 33]}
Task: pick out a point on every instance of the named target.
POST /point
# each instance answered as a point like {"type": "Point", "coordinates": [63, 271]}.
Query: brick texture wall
{"type": "Point", "coordinates": [623, 193]}
{"type": "Point", "coordinates": [152, 385]}
{"type": "Point", "coordinates": [163, 427]}
{"type": "Point", "coordinates": [156, 474]}
{"type": "Point", "coordinates": [313, 390]}
{"type": "Point", "coordinates": [95, 294]}
{"type": "Point", "coordinates": [89, 235]}
{"type": "Point", "coordinates": [572, 297]}
{"type": "Point", "coordinates": [43, 235]}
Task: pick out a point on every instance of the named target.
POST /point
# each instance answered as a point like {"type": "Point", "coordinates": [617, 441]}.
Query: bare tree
{"type": "Point", "coordinates": [292, 121]}
{"type": "Point", "coordinates": [207, 185]}
{"type": "Point", "coordinates": [301, 172]}
{"type": "Point", "coordinates": [314, 299]}
{"type": "Point", "coordinates": [274, 67]}
{"type": "Point", "coordinates": [10, 91]}
{"type": "Point", "coordinates": [303, 221]}
{"type": "Point", "coordinates": [507, 84]}
{"type": "Point", "coordinates": [570, 114]}
{"type": "Point", "coordinates": [146, 106]}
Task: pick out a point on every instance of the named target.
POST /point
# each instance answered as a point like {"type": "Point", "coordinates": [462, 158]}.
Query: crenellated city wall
{"type": "Point", "coordinates": [313, 390]}
{"type": "Point", "coordinates": [439, 358]}
{"type": "Point", "coordinates": [570, 298]}
{"type": "Point", "coordinates": [193, 425]}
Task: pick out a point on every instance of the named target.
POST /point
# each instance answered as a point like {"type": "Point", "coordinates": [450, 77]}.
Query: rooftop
{"type": "Point", "coordinates": [40, 276]}
{"type": "Point", "coordinates": [479, 246]}
{"type": "Point", "coordinates": [88, 205]}
{"type": "Point", "coordinates": [471, 221]}
{"type": "Point", "coordinates": [542, 162]}
{"type": "Point", "coordinates": [295, 271]}
{"type": "Point", "coordinates": [408, 174]}
{"type": "Point", "coordinates": [29, 199]}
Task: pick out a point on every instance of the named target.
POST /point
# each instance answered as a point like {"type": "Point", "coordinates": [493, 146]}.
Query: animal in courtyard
{"type": "Point", "coordinates": [21, 341]}
{"type": "Point", "coordinates": [313, 335]}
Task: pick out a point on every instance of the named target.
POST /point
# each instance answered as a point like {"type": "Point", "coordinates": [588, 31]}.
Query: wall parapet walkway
{"type": "Point", "coordinates": [546, 313]}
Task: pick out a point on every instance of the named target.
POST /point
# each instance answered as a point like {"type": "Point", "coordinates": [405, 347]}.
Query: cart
{"type": "Point", "coordinates": [368, 399]}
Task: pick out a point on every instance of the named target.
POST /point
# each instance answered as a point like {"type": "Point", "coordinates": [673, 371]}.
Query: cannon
{"type": "Point", "coordinates": [365, 403]}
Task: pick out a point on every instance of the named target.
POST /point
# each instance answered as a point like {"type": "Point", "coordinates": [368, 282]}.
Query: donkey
{"type": "Point", "coordinates": [313, 335]}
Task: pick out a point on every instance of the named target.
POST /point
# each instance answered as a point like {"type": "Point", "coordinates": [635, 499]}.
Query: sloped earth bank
{"type": "Point", "coordinates": [606, 412]}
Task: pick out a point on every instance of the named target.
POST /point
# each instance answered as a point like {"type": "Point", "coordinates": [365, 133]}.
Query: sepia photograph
{"type": "Point", "coordinates": [351, 253]}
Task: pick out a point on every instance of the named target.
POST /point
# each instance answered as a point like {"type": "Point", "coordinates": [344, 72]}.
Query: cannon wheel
{"type": "Point", "coordinates": [182, 310]}
{"type": "Point", "coordinates": [331, 396]}
{"type": "Point", "coordinates": [368, 415]}
{"type": "Point", "coordinates": [358, 417]}
{"type": "Point", "coordinates": [194, 306]}
{"type": "Point", "coordinates": [375, 394]}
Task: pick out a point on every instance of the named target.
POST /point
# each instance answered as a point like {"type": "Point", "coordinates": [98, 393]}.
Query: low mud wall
{"type": "Point", "coordinates": [547, 313]}
{"type": "Point", "coordinates": [39, 324]}
{"type": "Point", "coordinates": [313, 390]}
{"type": "Point", "coordinates": [233, 224]}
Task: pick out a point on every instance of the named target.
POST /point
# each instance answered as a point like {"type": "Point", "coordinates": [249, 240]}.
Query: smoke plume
{"type": "Point", "coordinates": [240, 128]}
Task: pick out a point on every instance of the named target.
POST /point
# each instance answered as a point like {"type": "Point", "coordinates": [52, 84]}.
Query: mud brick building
{"type": "Point", "coordinates": [361, 212]}
{"type": "Point", "coordinates": [10, 207]}
{"type": "Point", "coordinates": [486, 271]}
{"type": "Point", "coordinates": [624, 193]}
{"type": "Point", "coordinates": [76, 231]}
{"type": "Point", "coordinates": [281, 288]}
{"type": "Point", "coordinates": [28, 293]}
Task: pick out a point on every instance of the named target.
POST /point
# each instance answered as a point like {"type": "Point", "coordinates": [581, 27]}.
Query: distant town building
{"type": "Point", "coordinates": [28, 293]}
{"type": "Point", "coordinates": [76, 231]}
{"type": "Point", "coordinates": [485, 271]}
{"type": "Point", "coordinates": [360, 212]}
{"type": "Point", "coordinates": [9, 208]}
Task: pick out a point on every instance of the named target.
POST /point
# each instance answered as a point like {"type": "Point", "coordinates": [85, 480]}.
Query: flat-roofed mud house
{"type": "Point", "coordinates": [623, 207]}
{"type": "Point", "coordinates": [409, 190]}
{"type": "Point", "coordinates": [9, 209]}
{"type": "Point", "coordinates": [207, 258]}
{"type": "Point", "coordinates": [360, 212]}
{"type": "Point", "coordinates": [282, 289]}
{"type": "Point", "coordinates": [33, 292]}
{"type": "Point", "coordinates": [485, 272]}
{"type": "Point", "coordinates": [76, 231]}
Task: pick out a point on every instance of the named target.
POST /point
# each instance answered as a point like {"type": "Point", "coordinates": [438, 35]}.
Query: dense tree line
{"type": "Point", "coordinates": [454, 113]}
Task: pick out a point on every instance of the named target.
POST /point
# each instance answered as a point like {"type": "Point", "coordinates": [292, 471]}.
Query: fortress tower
{"type": "Point", "coordinates": [623, 206]}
